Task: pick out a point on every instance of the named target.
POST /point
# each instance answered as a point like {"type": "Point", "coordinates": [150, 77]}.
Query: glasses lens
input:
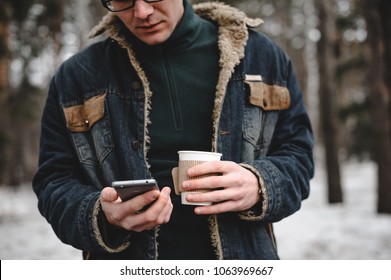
{"type": "Point", "coordinates": [119, 5]}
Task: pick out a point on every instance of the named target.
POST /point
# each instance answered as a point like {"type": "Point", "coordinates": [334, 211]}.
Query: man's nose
{"type": "Point", "coordinates": [142, 9]}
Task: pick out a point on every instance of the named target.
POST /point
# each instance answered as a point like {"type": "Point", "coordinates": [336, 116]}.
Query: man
{"type": "Point", "coordinates": [171, 78]}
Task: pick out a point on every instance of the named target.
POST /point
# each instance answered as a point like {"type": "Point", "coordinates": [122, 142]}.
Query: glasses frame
{"type": "Point", "coordinates": [105, 4]}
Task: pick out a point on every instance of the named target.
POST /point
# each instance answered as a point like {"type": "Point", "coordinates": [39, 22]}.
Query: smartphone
{"type": "Point", "coordinates": [131, 188]}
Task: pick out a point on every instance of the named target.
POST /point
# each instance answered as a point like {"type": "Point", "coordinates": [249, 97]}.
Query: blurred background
{"type": "Point", "coordinates": [341, 51]}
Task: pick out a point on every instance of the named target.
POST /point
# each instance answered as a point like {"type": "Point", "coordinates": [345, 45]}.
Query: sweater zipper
{"type": "Point", "coordinates": [172, 90]}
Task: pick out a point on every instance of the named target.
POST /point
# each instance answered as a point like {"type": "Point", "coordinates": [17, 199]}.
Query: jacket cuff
{"type": "Point", "coordinates": [110, 238]}
{"type": "Point", "coordinates": [258, 211]}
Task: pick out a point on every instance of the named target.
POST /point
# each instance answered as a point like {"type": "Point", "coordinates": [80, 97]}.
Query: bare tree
{"type": "Point", "coordinates": [44, 32]}
{"type": "Point", "coordinates": [5, 57]}
{"type": "Point", "coordinates": [327, 98]}
{"type": "Point", "coordinates": [19, 113]}
{"type": "Point", "coordinates": [376, 13]}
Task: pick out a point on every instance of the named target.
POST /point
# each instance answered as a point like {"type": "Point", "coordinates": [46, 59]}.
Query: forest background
{"type": "Point", "coordinates": [340, 50]}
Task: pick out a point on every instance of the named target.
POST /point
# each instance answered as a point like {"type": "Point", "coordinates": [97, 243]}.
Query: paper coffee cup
{"type": "Point", "coordinates": [189, 159]}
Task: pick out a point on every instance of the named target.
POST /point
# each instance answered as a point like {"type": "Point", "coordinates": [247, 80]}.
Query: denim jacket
{"type": "Point", "coordinates": [95, 131]}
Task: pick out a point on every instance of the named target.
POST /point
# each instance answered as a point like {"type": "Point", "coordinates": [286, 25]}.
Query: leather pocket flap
{"type": "Point", "coordinates": [81, 118]}
{"type": "Point", "coordinates": [268, 97]}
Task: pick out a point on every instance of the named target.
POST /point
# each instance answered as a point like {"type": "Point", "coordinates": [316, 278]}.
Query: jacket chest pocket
{"type": "Point", "coordinates": [90, 130]}
{"type": "Point", "coordinates": [261, 111]}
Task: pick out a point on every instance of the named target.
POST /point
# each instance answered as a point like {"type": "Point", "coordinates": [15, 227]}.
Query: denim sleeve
{"type": "Point", "coordinates": [64, 197]}
{"type": "Point", "coordinates": [284, 173]}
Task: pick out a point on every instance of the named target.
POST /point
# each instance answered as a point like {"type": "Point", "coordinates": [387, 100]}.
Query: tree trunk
{"type": "Point", "coordinates": [4, 86]}
{"type": "Point", "coordinates": [312, 66]}
{"type": "Point", "coordinates": [327, 99]}
{"type": "Point", "coordinates": [379, 67]}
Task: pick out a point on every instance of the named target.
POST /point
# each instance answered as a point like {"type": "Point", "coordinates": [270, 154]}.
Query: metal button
{"type": "Point", "coordinates": [135, 85]}
{"type": "Point", "coordinates": [136, 144]}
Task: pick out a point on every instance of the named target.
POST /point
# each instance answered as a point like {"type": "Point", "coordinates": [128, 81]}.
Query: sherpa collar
{"type": "Point", "coordinates": [233, 35]}
{"type": "Point", "coordinates": [231, 21]}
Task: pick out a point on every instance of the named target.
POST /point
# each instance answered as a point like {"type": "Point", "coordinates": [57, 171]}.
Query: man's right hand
{"type": "Point", "coordinates": [127, 214]}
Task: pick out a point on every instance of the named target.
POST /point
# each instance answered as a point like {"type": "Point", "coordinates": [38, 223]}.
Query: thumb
{"type": "Point", "coordinates": [108, 194]}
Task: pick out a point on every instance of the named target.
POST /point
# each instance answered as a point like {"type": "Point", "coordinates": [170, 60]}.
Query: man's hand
{"type": "Point", "coordinates": [128, 215]}
{"type": "Point", "coordinates": [238, 188]}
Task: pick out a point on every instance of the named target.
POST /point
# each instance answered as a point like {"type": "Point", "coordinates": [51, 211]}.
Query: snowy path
{"type": "Point", "coordinates": [351, 230]}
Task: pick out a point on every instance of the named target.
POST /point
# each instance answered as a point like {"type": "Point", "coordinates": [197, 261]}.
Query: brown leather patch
{"type": "Point", "coordinates": [268, 97]}
{"type": "Point", "coordinates": [81, 118]}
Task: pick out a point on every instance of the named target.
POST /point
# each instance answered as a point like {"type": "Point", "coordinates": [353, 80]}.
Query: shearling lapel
{"type": "Point", "coordinates": [233, 35]}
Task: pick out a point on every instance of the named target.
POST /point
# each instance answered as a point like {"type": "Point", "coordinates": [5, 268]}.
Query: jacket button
{"type": "Point", "coordinates": [135, 85]}
{"type": "Point", "coordinates": [136, 145]}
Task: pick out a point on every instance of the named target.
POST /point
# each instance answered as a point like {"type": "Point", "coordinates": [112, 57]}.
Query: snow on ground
{"type": "Point", "coordinates": [352, 230]}
{"type": "Point", "coordinates": [319, 231]}
{"type": "Point", "coordinates": [24, 233]}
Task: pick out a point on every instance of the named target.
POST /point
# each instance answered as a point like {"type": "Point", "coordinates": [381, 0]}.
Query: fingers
{"type": "Point", "coordinates": [236, 189]}
{"type": "Point", "coordinates": [140, 201]}
{"type": "Point", "coordinates": [127, 214]}
{"type": "Point", "coordinates": [159, 213]}
{"type": "Point", "coordinates": [228, 206]}
{"type": "Point", "coordinates": [230, 176]}
{"type": "Point", "coordinates": [108, 195]}
{"type": "Point", "coordinates": [223, 201]}
{"type": "Point", "coordinates": [215, 196]}
{"type": "Point", "coordinates": [209, 167]}
{"type": "Point", "coordinates": [134, 205]}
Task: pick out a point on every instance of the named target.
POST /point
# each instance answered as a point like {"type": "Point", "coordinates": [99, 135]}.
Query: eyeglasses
{"type": "Point", "coordinates": [122, 5]}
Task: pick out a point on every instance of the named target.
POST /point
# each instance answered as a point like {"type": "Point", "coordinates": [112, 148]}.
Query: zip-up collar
{"type": "Point", "coordinates": [184, 35]}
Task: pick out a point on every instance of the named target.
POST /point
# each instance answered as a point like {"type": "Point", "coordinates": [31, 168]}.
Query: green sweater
{"type": "Point", "coordinates": [183, 74]}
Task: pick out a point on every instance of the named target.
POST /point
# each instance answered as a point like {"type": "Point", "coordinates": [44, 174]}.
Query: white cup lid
{"type": "Point", "coordinates": [199, 155]}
